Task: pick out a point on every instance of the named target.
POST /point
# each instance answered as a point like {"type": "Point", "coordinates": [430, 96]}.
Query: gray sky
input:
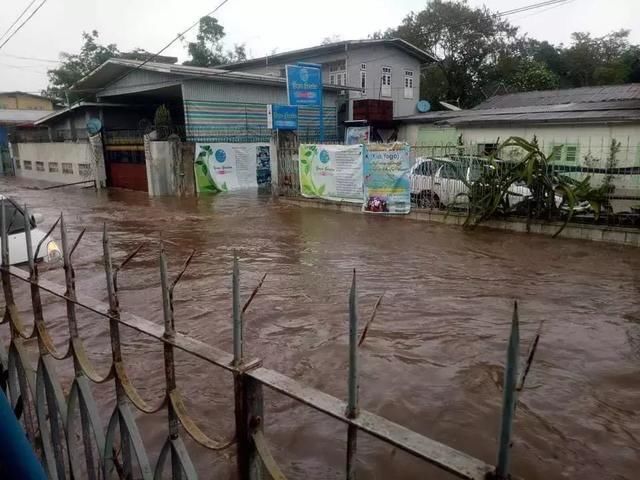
{"type": "Point", "coordinates": [262, 25]}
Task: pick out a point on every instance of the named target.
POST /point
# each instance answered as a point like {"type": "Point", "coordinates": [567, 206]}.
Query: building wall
{"type": "Point", "coordinates": [375, 57]}
{"type": "Point", "coordinates": [24, 102]}
{"type": "Point", "coordinates": [78, 157]}
{"type": "Point", "coordinates": [217, 111]}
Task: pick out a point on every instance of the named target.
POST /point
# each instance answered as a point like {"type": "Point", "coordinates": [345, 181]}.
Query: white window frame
{"type": "Point", "coordinates": [408, 84]}
{"type": "Point", "coordinates": [363, 81]}
{"type": "Point", "coordinates": [386, 81]}
{"type": "Point", "coordinates": [363, 66]}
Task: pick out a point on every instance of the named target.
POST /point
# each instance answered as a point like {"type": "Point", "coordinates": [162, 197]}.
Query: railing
{"type": "Point", "coordinates": [48, 416]}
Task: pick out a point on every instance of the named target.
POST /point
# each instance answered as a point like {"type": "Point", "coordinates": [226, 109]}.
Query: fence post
{"type": "Point", "coordinates": [247, 393]}
{"type": "Point", "coordinates": [352, 398]}
{"type": "Point", "coordinates": [509, 399]}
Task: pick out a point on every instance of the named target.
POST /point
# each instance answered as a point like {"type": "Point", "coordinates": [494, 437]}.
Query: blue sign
{"type": "Point", "coordinates": [304, 85]}
{"type": "Point", "coordinates": [284, 117]}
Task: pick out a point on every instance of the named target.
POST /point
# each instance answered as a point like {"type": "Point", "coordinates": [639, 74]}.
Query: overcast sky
{"type": "Point", "coordinates": [262, 25]}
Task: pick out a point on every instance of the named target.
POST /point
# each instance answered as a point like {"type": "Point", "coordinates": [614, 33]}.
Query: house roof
{"type": "Point", "coordinates": [605, 93]}
{"type": "Point", "coordinates": [25, 94]}
{"type": "Point", "coordinates": [303, 53]}
{"type": "Point", "coordinates": [21, 117]}
{"type": "Point", "coordinates": [591, 105]}
{"type": "Point", "coordinates": [115, 68]}
{"type": "Point", "coordinates": [76, 106]}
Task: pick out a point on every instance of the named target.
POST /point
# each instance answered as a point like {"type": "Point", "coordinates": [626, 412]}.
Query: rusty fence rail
{"type": "Point", "coordinates": [49, 416]}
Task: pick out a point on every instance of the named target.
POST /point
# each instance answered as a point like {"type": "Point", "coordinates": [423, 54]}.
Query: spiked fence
{"type": "Point", "coordinates": [47, 413]}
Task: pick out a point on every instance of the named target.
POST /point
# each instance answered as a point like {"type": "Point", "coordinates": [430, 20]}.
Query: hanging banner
{"type": "Point", "coordinates": [332, 172]}
{"type": "Point", "coordinates": [221, 167]}
{"type": "Point", "coordinates": [356, 135]}
{"type": "Point", "coordinates": [386, 178]}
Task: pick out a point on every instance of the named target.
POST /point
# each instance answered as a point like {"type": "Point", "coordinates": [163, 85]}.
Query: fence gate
{"type": "Point", "coordinates": [125, 159]}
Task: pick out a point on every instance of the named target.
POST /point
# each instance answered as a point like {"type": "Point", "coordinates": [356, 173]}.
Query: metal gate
{"type": "Point", "coordinates": [125, 159]}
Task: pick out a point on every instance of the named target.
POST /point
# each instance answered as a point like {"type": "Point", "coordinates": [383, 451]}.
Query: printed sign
{"type": "Point", "coordinates": [386, 178]}
{"type": "Point", "coordinates": [304, 85]}
{"type": "Point", "coordinates": [332, 172]}
{"type": "Point", "coordinates": [220, 167]}
{"type": "Point", "coordinates": [282, 117]}
{"type": "Point", "coordinates": [356, 135]}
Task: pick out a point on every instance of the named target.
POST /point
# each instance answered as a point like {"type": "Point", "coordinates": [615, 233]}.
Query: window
{"type": "Point", "coordinates": [27, 165]}
{"type": "Point", "coordinates": [53, 167]}
{"type": "Point", "coordinates": [14, 217]}
{"type": "Point", "coordinates": [338, 66]}
{"type": "Point", "coordinates": [67, 168]}
{"type": "Point", "coordinates": [84, 169]}
{"type": "Point", "coordinates": [332, 79]}
{"type": "Point", "coordinates": [487, 149]}
{"type": "Point", "coordinates": [408, 84]}
{"type": "Point", "coordinates": [363, 66]}
{"type": "Point", "coordinates": [363, 80]}
{"type": "Point", "coordinates": [40, 166]}
{"type": "Point", "coordinates": [385, 82]}
{"type": "Point", "coordinates": [17, 163]}
{"type": "Point", "coordinates": [425, 168]}
{"type": "Point", "coordinates": [450, 171]}
{"type": "Point", "coordinates": [564, 153]}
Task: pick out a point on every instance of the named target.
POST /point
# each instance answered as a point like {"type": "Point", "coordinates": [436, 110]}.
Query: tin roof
{"type": "Point", "coordinates": [21, 117]}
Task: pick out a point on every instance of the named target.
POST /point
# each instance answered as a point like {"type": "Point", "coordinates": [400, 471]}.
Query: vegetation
{"type": "Point", "coordinates": [480, 54]}
{"type": "Point", "coordinates": [207, 50]}
{"type": "Point", "coordinates": [162, 122]}
{"type": "Point", "coordinates": [553, 196]}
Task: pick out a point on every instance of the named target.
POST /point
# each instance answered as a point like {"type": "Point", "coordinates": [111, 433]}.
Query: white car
{"type": "Point", "coordinates": [16, 224]}
{"type": "Point", "coordinates": [438, 182]}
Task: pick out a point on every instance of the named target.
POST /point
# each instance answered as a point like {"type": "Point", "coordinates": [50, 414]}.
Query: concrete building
{"type": "Point", "coordinates": [24, 101]}
{"type": "Point", "coordinates": [382, 69]}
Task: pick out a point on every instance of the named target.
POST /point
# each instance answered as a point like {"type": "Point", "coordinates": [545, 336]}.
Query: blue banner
{"type": "Point", "coordinates": [304, 85]}
{"type": "Point", "coordinates": [282, 117]}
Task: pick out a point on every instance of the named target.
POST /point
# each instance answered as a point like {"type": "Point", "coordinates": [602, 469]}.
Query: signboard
{"type": "Point", "coordinates": [356, 135]}
{"type": "Point", "coordinates": [282, 117]}
{"type": "Point", "coordinates": [221, 167]}
{"type": "Point", "coordinates": [304, 85]}
{"type": "Point", "coordinates": [332, 172]}
{"type": "Point", "coordinates": [387, 186]}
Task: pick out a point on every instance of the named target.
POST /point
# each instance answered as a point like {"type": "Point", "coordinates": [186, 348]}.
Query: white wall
{"type": "Point", "coordinates": [55, 154]}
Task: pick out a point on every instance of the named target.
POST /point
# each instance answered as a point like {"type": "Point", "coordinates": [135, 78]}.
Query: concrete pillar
{"type": "Point", "coordinates": [97, 157]}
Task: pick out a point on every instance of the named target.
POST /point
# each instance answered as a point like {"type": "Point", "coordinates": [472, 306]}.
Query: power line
{"type": "Point", "coordinates": [35, 59]}
{"type": "Point", "coordinates": [23, 24]}
{"type": "Point", "coordinates": [17, 19]}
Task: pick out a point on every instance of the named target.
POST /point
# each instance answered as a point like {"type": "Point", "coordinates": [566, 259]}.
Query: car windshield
{"type": "Point", "coordinates": [475, 170]}
{"type": "Point", "coordinates": [425, 168]}
{"type": "Point", "coordinates": [14, 217]}
{"type": "Point", "coordinates": [452, 171]}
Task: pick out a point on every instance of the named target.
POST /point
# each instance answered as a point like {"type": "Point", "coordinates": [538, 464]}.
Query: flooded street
{"type": "Point", "coordinates": [432, 360]}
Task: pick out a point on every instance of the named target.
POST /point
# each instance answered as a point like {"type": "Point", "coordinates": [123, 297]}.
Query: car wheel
{"type": "Point", "coordinates": [428, 199]}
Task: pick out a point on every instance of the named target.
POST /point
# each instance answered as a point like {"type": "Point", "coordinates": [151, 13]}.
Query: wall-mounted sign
{"type": "Point", "coordinates": [282, 117]}
{"type": "Point", "coordinates": [356, 135]}
{"type": "Point", "coordinates": [304, 85]}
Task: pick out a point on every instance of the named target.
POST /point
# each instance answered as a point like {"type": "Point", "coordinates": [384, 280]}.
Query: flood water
{"type": "Point", "coordinates": [433, 357]}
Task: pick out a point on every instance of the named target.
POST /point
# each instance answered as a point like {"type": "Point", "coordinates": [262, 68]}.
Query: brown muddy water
{"type": "Point", "coordinates": [432, 360]}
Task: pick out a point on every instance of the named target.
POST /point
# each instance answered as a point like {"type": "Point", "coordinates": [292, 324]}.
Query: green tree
{"type": "Point", "coordinates": [467, 42]}
{"type": "Point", "coordinates": [208, 50]}
{"type": "Point", "coordinates": [76, 66]}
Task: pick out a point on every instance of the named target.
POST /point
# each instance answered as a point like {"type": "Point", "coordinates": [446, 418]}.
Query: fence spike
{"type": "Point", "coordinates": [237, 314]}
{"type": "Point", "coordinates": [29, 242]}
{"type": "Point", "coordinates": [352, 394]}
{"type": "Point", "coordinates": [5, 236]}
{"type": "Point", "coordinates": [509, 398]}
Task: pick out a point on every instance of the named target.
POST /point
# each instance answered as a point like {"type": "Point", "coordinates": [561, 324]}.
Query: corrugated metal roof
{"type": "Point", "coordinates": [301, 53]}
{"type": "Point", "coordinates": [606, 93]}
{"type": "Point", "coordinates": [21, 117]}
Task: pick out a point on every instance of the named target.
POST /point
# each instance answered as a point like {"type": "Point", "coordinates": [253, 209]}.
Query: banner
{"type": "Point", "coordinates": [332, 172]}
{"type": "Point", "coordinates": [357, 135]}
{"type": "Point", "coordinates": [304, 85]}
{"type": "Point", "coordinates": [282, 117]}
{"type": "Point", "coordinates": [386, 178]}
{"type": "Point", "coordinates": [221, 167]}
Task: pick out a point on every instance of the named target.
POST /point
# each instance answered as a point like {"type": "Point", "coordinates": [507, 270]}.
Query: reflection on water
{"type": "Point", "coordinates": [433, 357]}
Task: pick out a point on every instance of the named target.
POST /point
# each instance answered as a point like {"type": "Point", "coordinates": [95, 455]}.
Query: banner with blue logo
{"type": "Point", "coordinates": [304, 85]}
{"type": "Point", "coordinates": [282, 117]}
{"type": "Point", "coordinates": [332, 172]}
{"type": "Point", "coordinates": [221, 167]}
{"type": "Point", "coordinates": [387, 186]}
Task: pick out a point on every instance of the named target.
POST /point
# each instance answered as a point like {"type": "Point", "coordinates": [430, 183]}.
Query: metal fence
{"type": "Point", "coordinates": [45, 135]}
{"type": "Point", "coordinates": [89, 450]}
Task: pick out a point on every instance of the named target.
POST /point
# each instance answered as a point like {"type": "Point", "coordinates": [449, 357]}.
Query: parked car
{"type": "Point", "coordinates": [16, 224]}
{"type": "Point", "coordinates": [443, 182]}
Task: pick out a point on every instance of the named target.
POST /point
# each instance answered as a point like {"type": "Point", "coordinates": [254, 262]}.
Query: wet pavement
{"type": "Point", "coordinates": [433, 357]}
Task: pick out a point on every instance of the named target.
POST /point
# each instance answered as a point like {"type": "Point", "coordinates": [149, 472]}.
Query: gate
{"type": "Point", "coordinates": [125, 159]}
{"type": "Point", "coordinates": [47, 412]}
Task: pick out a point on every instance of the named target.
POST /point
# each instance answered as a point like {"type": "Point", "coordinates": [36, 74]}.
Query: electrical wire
{"type": "Point", "coordinates": [45, 60]}
{"type": "Point", "coordinates": [23, 24]}
{"type": "Point", "coordinates": [17, 19]}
